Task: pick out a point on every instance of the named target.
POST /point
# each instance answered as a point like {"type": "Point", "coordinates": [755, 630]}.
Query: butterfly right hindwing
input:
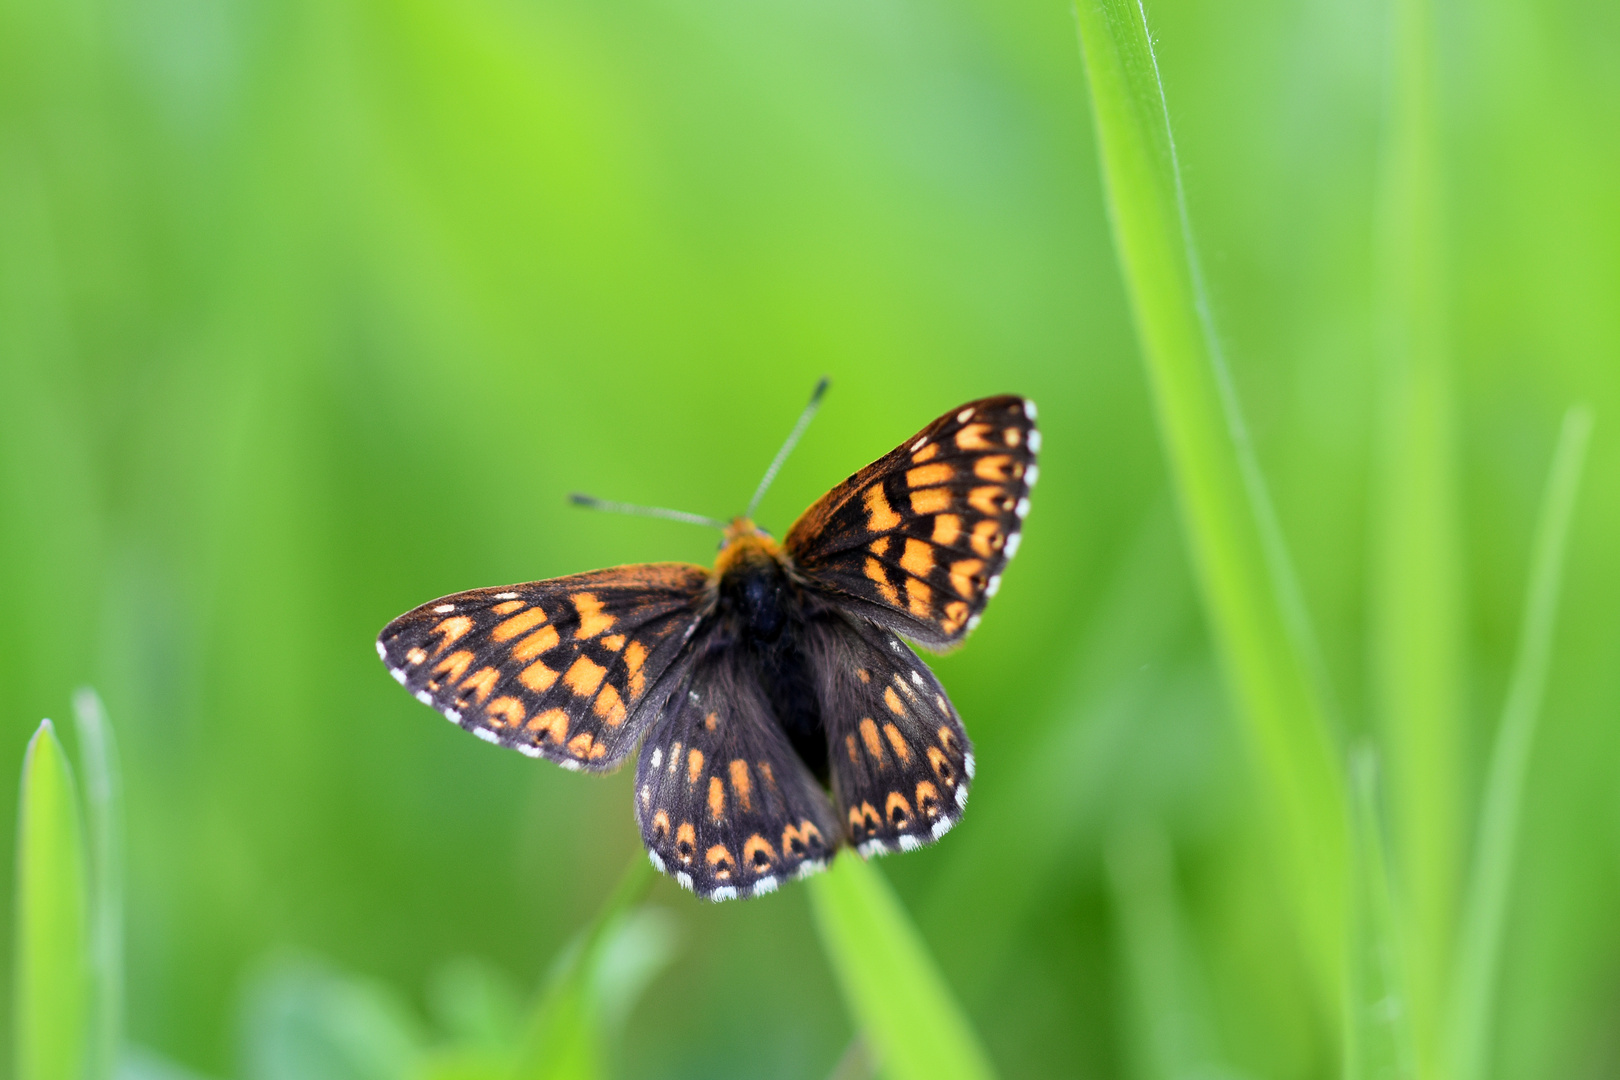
{"type": "Point", "coordinates": [725, 805]}
{"type": "Point", "coordinates": [899, 758]}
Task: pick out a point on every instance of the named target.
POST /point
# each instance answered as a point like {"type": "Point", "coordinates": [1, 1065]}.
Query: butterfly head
{"type": "Point", "coordinates": [745, 542]}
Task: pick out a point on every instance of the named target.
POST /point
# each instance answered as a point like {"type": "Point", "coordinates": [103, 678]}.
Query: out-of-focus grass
{"type": "Point", "coordinates": [52, 987]}
{"type": "Point", "coordinates": [896, 994]}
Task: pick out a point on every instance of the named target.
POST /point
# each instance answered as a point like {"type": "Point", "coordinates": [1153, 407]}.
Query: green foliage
{"type": "Point", "coordinates": [53, 989]}
{"type": "Point", "coordinates": [895, 991]}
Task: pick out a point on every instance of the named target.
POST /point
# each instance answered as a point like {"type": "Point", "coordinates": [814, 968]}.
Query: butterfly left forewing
{"type": "Point", "coordinates": [562, 669]}
{"type": "Point", "coordinates": [918, 540]}
{"type": "Point", "coordinates": [899, 758]}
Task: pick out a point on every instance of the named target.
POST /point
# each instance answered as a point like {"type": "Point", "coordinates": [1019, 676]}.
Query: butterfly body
{"type": "Point", "coordinates": [779, 713]}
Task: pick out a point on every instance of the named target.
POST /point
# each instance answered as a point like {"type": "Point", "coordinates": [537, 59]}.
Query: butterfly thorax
{"type": "Point", "coordinates": [761, 610]}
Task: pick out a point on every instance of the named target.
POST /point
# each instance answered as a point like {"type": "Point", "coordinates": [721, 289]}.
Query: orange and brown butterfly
{"type": "Point", "coordinates": [780, 713]}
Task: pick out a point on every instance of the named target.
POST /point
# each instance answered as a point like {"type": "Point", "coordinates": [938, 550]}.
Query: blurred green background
{"type": "Point", "coordinates": [310, 312]}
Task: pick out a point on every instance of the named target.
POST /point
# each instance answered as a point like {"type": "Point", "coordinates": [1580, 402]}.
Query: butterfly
{"type": "Point", "coordinates": [780, 712]}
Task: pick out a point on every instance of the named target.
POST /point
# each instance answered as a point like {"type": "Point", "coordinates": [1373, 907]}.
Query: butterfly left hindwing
{"type": "Point", "coordinates": [725, 805]}
{"type": "Point", "coordinates": [561, 669]}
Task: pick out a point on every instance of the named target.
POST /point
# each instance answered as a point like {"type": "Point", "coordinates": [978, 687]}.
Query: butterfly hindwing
{"type": "Point", "coordinates": [724, 804]}
{"type": "Point", "coordinates": [562, 669]}
{"type": "Point", "coordinates": [918, 539]}
{"type": "Point", "coordinates": [899, 759]}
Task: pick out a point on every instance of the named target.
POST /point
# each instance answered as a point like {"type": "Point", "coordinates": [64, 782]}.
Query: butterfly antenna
{"type": "Point", "coordinates": [787, 447]}
{"type": "Point", "coordinates": [645, 511]}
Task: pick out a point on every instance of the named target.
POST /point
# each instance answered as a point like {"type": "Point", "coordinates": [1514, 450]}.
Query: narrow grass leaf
{"type": "Point", "coordinates": [1379, 1040]}
{"type": "Point", "coordinates": [1253, 605]}
{"type": "Point", "coordinates": [1416, 611]}
{"type": "Point", "coordinates": [1485, 911]}
{"type": "Point", "coordinates": [52, 988]}
{"type": "Point", "coordinates": [103, 793]}
{"type": "Point", "coordinates": [892, 986]}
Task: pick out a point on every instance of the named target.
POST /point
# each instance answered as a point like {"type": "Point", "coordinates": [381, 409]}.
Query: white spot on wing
{"type": "Point", "coordinates": [993, 585]}
{"type": "Point", "coordinates": [961, 795]}
{"type": "Point", "coordinates": [943, 826]}
{"type": "Point", "coordinates": [967, 765]}
{"type": "Point", "coordinates": [527, 749]}
{"type": "Point", "coordinates": [398, 674]}
{"type": "Point", "coordinates": [693, 694]}
{"type": "Point", "coordinates": [382, 652]}
{"type": "Point", "coordinates": [918, 445]}
{"type": "Point", "coordinates": [973, 624]}
{"type": "Point", "coordinates": [963, 416]}
{"type": "Point", "coordinates": [1012, 544]}
{"type": "Point", "coordinates": [764, 885]}
{"type": "Point", "coordinates": [506, 596]}
{"type": "Point", "coordinates": [658, 864]}
{"type": "Point", "coordinates": [1032, 475]}
{"type": "Point", "coordinates": [570, 764]}
{"type": "Point", "coordinates": [1029, 408]}
{"type": "Point", "coordinates": [1022, 508]}
{"type": "Point", "coordinates": [452, 716]}
{"type": "Point", "coordinates": [909, 843]}
{"type": "Point", "coordinates": [814, 866]}
{"type": "Point", "coordinates": [683, 879]}
{"type": "Point", "coordinates": [1034, 441]}
{"type": "Point", "coordinates": [487, 735]}
{"type": "Point", "coordinates": [916, 678]}
{"type": "Point", "coordinates": [445, 609]}
{"type": "Point", "coordinates": [724, 892]}
{"type": "Point", "coordinates": [424, 697]}
{"type": "Point", "coordinates": [894, 643]}
{"type": "Point", "coordinates": [658, 757]}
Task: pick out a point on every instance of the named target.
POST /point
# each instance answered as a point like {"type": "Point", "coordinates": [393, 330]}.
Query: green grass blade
{"type": "Point", "coordinates": [52, 988]}
{"type": "Point", "coordinates": [1416, 642]}
{"type": "Point", "coordinates": [892, 986]}
{"type": "Point", "coordinates": [1379, 1039]}
{"type": "Point", "coordinates": [1253, 607]}
{"type": "Point", "coordinates": [1485, 910]}
{"type": "Point", "coordinates": [103, 793]}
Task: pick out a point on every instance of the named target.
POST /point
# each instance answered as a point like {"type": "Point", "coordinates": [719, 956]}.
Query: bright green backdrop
{"type": "Point", "coordinates": [310, 312]}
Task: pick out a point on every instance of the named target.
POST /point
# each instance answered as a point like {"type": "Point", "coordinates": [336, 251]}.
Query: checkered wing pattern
{"type": "Point", "coordinates": [899, 759]}
{"type": "Point", "coordinates": [725, 805]}
{"type": "Point", "coordinates": [567, 669]}
{"type": "Point", "coordinates": [917, 540]}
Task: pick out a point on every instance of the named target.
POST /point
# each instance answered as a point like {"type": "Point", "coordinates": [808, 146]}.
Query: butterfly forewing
{"type": "Point", "coordinates": [564, 669]}
{"type": "Point", "coordinates": [900, 761]}
{"type": "Point", "coordinates": [725, 805]}
{"type": "Point", "coordinates": [918, 539]}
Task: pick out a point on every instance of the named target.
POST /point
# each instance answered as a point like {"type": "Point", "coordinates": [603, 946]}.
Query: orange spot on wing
{"type": "Point", "coordinates": [660, 825]}
{"type": "Point", "coordinates": [415, 656]}
{"type": "Point", "coordinates": [947, 527]}
{"type": "Point", "coordinates": [874, 571]}
{"type": "Point", "coordinates": [765, 771]}
{"type": "Point", "coordinates": [694, 765]}
{"type": "Point", "coordinates": [518, 624]}
{"type": "Point", "coordinates": [538, 677]}
{"type": "Point", "coordinates": [927, 453]}
{"type": "Point", "coordinates": [947, 738]}
{"type": "Point", "coordinates": [674, 757]}
{"type": "Point", "coordinates": [614, 642]}
{"type": "Point", "coordinates": [879, 518]}
{"type": "Point", "coordinates": [452, 667]}
{"type": "Point", "coordinates": [989, 501]}
{"type": "Point", "coordinates": [972, 437]}
{"type": "Point", "coordinates": [757, 852]}
{"type": "Point", "coordinates": [591, 619]}
{"type": "Point", "coordinates": [927, 798]}
{"type": "Point", "coordinates": [987, 537]}
{"type": "Point", "coordinates": [553, 723]}
{"type": "Point", "coordinates": [609, 706]}
{"type": "Point", "coordinates": [505, 712]}
{"type": "Point", "coordinates": [892, 700]}
{"type": "Point", "coordinates": [508, 607]}
{"type": "Point", "coordinates": [741, 785]}
{"type": "Point", "coordinates": [930, 500]}
{"type": "Point", "coordinates": [956, 613]}
{"type": "Point", "coordinates": [721, 861]}
{"type": "Point", "coordinates": [711, 721]}
{"type": "Point", "coordinates": [584, 676]}
{"type": "Point", "coordinates": [897, 810]}
{"type": "Point", "coordinates": [453, 629]}
{"type": "Point", "coordinates": [942, 766]}
{"type": "Point", "coordinates": [717, 799]}
{"type": "Point", "coordinates": [685, 842]}
{"type": "Point", "coordinates": [874, 742]}
{"type": "Point", "coordinates": [542, 640]}
{"type": "Point", "coordinates": [929, 475]}
{"type": "Point", "coordinates": [1012, 436]}
{"type": "Point", "coordinates": [580, 745]}
{"type": "Point", "coordinates": [880, 546]}
{"type": "Point", "coordinates": [962, 576]}
{"type": "Point", "coordinates": [898, 741]}
{"type": "Point", "coordinates": [849, 744]}
{"type": "Point", "coordinates": [480, 683]}
{"type": "Point", "coordinates": [919, 598]}
{"type": "Point", "coordinates": [635, 655]}
{"type": "Point", "coordinates": [918, 558]}
{"type": "Point", "coordinates": [864, 675]}
{"type": "Point", "coordinates": [994, 467]}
